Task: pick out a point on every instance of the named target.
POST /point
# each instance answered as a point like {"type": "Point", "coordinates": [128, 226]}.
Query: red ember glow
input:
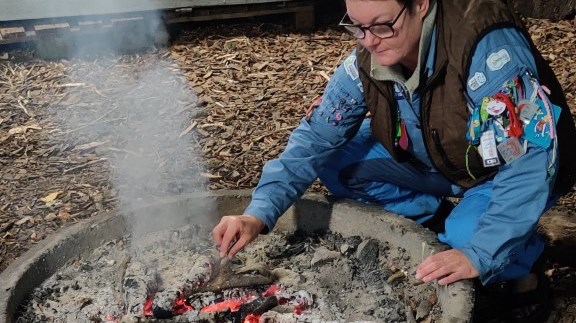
{"type": "Point", "coordinates": [110, 318]}
{"type": "Point", "coordinates": [271, 291]}
{"type": "Point", "coordinates": [148, 306]}
{"type": "Point", "coordinates": [232, 304]}
{"type": "Point", "coordinates": [181, 305]}
{"type": "Point", "coordinates": [299, 308]}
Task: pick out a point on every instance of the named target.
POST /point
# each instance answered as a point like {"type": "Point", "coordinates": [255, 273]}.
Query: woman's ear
{"type": "Point", "coordinates": [422, 7]}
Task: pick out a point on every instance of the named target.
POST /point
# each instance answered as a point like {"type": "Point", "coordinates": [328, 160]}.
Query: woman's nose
{"type": "Point", "coordinates": [370, 40]}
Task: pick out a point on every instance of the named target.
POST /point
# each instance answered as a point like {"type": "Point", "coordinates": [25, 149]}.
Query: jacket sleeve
{"type": "Point", "coordinates": [521, 189]}
{"type": "Point", "coordinates": [329, 126]}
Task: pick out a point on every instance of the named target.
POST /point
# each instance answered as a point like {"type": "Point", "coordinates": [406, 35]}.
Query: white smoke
{"type": "Point", "coordinates": [137, 110]}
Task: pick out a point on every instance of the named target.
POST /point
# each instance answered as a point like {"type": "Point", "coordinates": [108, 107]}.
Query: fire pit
{"type": "Point", "coordinates": [330, 261]}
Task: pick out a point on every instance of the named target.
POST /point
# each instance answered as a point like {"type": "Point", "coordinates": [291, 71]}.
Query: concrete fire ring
{"type": "Point", "coordinates": [345, 217]}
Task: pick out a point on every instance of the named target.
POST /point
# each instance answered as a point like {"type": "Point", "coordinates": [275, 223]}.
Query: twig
{"type": "Point", "coordinates": [84, 165]}
{"type": "Point", "coordinates": [273, 132]}
{"type": "Point", "coordinates": [129, 152]}
{"type": "Point", "coordinates": [70, 85]}
{"type": "Point", "coordinates": [423, 247]}
{"type": "Point", "coordinates": [121, 273]}
{"type": "Point", "coordinates": [338, 61]}
{"type": "Point", "coordinates": [93, 122]}
{"type": "Point", "coordinates": [21, 106]}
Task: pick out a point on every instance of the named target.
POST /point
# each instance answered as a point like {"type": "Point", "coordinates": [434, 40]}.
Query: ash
{"type": "Point", "coordinates": [318, 278]}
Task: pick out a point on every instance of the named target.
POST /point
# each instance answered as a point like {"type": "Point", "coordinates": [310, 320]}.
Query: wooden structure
{"type": "Point", "coordinates": [25, 20]}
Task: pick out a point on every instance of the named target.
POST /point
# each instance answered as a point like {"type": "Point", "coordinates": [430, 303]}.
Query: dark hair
{"type": "Point", "coordinates": [407, 3]}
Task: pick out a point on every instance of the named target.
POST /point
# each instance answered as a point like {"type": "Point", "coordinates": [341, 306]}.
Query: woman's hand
{"type": "Point", "coordinates": [447, 267]}
{"type": "Point", "coordinates": [234, 232]}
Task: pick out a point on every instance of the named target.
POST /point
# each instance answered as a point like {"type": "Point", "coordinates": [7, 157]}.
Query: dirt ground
{"type": "Point", "coordinates": [204, 113]}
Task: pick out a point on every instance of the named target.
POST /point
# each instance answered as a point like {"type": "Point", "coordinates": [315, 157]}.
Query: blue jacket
{"type": "Point", "coordinates": [519, 193]}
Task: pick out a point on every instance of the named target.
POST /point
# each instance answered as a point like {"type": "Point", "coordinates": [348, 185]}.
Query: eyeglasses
{"type": "Point", "coordinates": [381, 30]}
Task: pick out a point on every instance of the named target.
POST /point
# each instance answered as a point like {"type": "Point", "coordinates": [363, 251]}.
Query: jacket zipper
{"type": "Point", "coordinates": [436, 139]}
{"type": "Point", "coordinates": [425, 117]}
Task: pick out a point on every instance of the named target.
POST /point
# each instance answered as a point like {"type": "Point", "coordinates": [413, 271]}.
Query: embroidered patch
{"type": "Point", "coordinates": [498, 59]}
{"type": "Point", "coordinates": [476, 81]}
{"type": "Point", "coordinates": [336, 107]}
{"type": "Point", "coordinates": [350, 67]}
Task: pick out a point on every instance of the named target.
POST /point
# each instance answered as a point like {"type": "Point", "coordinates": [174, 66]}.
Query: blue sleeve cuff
{"type": "Point", "coordinates": [487, 273]}
{"type": "Point", "coordinates": [261, 210]}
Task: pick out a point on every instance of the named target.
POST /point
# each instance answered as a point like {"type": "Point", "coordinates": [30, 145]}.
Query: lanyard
{"type": "Point", "coordinates": [401, 139]}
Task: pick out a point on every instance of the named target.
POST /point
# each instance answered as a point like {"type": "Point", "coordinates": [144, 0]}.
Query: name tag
{"type": "Point", "coordinates": [489, 150]}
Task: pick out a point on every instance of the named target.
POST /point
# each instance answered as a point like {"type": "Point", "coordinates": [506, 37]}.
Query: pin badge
{"type": "Point", "coordinates": [495, 107]}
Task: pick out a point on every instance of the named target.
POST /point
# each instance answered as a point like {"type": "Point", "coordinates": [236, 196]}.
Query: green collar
{"type": "Point", "coordinates": [394, 72]}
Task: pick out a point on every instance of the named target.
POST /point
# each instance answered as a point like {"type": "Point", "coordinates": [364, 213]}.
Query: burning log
{"type": "Point", "coordinates": [172, 300]}
{"type": "Point", "coordinates": [163, 282]}
{"type": "Point", "coordinates": [201, 273]}
{"type": "Point", "coordinates": [139, 282]}
{"type": "Point", "coordinates": [228, 279]}
{"type": "Point", "coordinates": [259, 306]}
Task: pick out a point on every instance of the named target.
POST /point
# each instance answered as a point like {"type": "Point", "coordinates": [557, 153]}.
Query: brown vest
{"type": "Point", "coordinates": [460, 24]}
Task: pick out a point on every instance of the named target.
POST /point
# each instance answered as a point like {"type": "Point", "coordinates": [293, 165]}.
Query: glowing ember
{"type": "Point", "coordinates": [232, 304]}
{"type": "Point", "coordinates": [148, 306]}
{"type": "Point", "coordinates": [271, 291]}
{"type": "Point", "coordinates": [181, 305]}
{"type": "Point", "coordinates": [110, 317]}
{"type": "Point", "coordinates": [299, 309]}
{"type": "Point", "coordinates": [251, 318]}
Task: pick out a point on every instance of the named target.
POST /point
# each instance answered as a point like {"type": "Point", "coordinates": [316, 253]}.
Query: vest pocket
{"type": "Point", "coordinates": [440, 150]}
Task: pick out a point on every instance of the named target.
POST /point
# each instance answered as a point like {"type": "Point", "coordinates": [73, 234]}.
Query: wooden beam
{"type": "Point", "coordinates": [30, 30]}
{"type": "Point", "coordinates": [11, 10]}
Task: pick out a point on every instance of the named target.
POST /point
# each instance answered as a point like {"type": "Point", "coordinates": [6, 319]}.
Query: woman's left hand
{"type": "Point", "coordinates": [447, 267]}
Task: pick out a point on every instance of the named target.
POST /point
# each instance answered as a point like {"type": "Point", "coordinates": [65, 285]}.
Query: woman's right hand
{"type": "Point", "coordinates": [234, 232]}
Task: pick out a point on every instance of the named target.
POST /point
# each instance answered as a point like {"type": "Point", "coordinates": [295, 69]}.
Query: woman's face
{"type": "Point", "coordinates": [403, 46]}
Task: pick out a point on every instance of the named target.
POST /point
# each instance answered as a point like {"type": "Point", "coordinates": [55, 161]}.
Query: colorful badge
{"type": "Point", "coordinates": [495, 107]}
{"type": "Point", "coordinates": [476, 81]}
{"type": "Point", "coordinates": [498, 59]}
{"type": "Point", "coordinates": [538, 130]}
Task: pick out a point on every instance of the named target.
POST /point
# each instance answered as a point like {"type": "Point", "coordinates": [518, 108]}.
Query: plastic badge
{"type": "Point", "coordinates": [511, 149]}
{"type": "Point", "coordinates": [528, 110]}
{"type": "Point", "coordinates": [538, 130]}
{"type": "Point", "coordinates": [489, 150]}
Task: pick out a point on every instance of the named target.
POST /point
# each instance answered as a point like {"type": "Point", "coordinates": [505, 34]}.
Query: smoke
{"type": "Point", "coordinates": [137, 110]}
{"type": "Point", "coordinates": [100, 27]}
